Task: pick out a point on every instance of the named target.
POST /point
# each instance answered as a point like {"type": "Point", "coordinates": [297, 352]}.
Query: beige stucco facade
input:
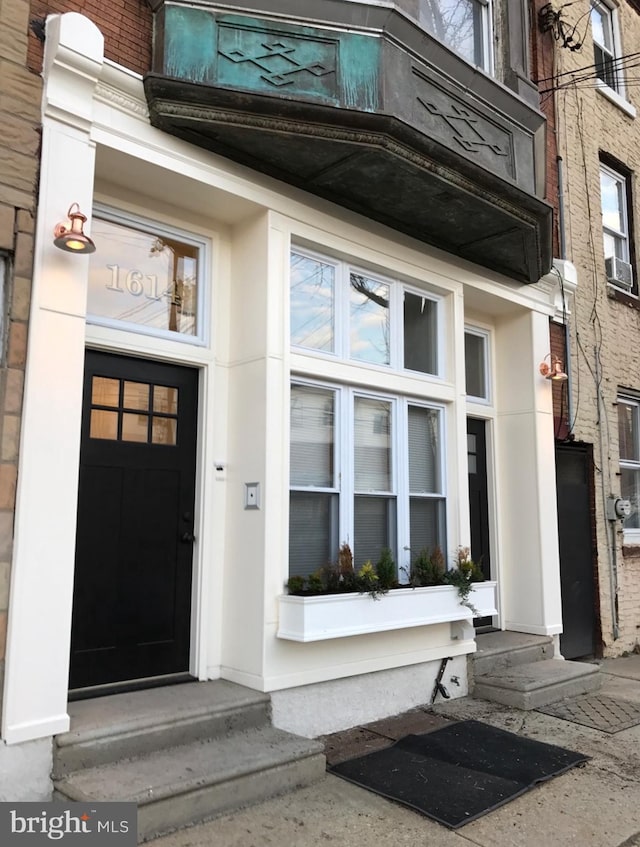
{"type": "Point", "coordinates": [597, 125]}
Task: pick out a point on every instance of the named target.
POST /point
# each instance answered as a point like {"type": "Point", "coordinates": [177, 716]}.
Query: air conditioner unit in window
{"type": "Point", "coordinates": [618, 272]}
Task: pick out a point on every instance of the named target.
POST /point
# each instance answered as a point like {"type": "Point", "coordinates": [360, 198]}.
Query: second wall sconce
{"type": "Point", "coordinates": [553, 370]}
{"type": "Point", "coordinates": [70, 236]}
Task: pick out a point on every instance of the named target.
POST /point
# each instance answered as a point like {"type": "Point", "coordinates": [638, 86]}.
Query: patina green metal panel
{"type": "Point", "coordinates": [267, 57]}
{"type": "Point", "coordinates": [189, 44]}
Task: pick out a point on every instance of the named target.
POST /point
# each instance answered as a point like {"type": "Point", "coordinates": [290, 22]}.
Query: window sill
{"type": "Point", "coordinates": [621, 102]}
{"type": "Point", "coordinates": [623, 296]}
{"type": "Point", "coordinates": [340, 615]}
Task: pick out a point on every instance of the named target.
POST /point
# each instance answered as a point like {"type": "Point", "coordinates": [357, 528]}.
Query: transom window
{"type": "Point", "coordinates": [629, 445]}
{"type": "Point", "coordinates": [366, 469]}
{"type": "Point", "coordinates": [604, 45]}
{"type": "Point", "coordinates": [146, 278]}
{"type": "Point", "coordinates": [463, 25]}
{"type": "Point", "coordinates": [476, 360]}
{"type": "Point", "coordinates": [344, 311]}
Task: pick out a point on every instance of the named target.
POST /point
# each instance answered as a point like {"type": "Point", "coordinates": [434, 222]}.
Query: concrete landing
{"type": "Point", "coordinates": [498, 650]}
{"type": "Point", "coordinates": [535, 684]}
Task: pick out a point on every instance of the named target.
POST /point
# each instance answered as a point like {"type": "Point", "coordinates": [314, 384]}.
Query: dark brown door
{"type": "Point", "coordinates": [478, 501]}
{"type": "Point", "coordinates": [134, 546]}
{"type": "Point", "coordinates": [577, 550]}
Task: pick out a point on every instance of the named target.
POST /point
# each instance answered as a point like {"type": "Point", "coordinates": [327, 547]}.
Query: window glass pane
{"type": "Point", "coordinates": [369, 324]}
{"type": "Point", "coordinates": [456, 23]}
{"type": "Point", "coordinates": [420, 333]}
{"type": "Point", "coordinates": [135, 427]}
{"type": "Point", "coordinates": [313, 540]}
{"type": "Point", "coordinates": [136, 395]}
{"type": "Point", "coordinates": [373, 528]}
{"type": "Point", "coordinates": [426, 525]}
{"type": "Point", "coordinates": [312, 436]}
{"type": "Point", "coordinates": [424, 464]}
{"type": "Point", "coordinates": [372, 445]}
{"type": "Point", "coordinates": [142, 278]}
{"type": "Point", "coordinates": [628, 430]}
{"type": "Point", "coordinates": [103, 424]}
{"type": "Point", "coordinates": [475, 365]}
{"type": "Point", "coordinates": [165, 399]}
{"type": "Point", "coordinates": [164, 430]}
{"type": "Point", "coordinates": [612, 196]}
{"type": "Point", "coordinates": [105, 392]}
{"type": "Point", "coordinates": [312, 303]}
{"type": "Point", "coordinates": [630, 490]}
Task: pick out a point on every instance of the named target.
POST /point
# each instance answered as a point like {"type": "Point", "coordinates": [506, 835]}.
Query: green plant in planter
{"type": "Point", "coordinates": [386, 570]}
{"type": "Point", "coordinates": [463, 576]}
{"type": "Point", "coordinates": [341, 578]}
{"type": "Point", "coordinates": [427, 568]}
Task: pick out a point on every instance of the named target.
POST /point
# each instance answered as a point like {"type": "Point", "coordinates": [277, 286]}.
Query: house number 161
{"type": "Point", "coordinates": [136, 283]}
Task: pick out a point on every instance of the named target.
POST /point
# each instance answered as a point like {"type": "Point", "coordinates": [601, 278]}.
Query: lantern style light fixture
{"type": "Point", "coordinates": [554, 370]}
{"type": "Point", "coordinates": [70, 236]}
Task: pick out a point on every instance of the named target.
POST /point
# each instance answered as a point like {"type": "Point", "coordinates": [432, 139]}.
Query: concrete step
{"type": "Point", "coordinates": [499, 650]}
{"type": "Point", "coordinates": [535, 684]}
{"type": "Point", "coordinates": [122, 726]}
{"type": "Point", "coordinates": [194, 782]}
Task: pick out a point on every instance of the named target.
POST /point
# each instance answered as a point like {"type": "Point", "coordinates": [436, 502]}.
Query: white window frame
{"type": "Point", "coordinates": [615, 93]}
{"type": "Point", "coordinates": [485, 335]}
{"type": "Point", "coordinates": [632, 534]}
{"type": "Point", "coordinates": [148, 225]}
{"type": "Point", "coordinates": [344, 457]}
{"type": "Point", "coordinates": [622, 236]}
{"type": "Point", "coordinates": [397, 289]}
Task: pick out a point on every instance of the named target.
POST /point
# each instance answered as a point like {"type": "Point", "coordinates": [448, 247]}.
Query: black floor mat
{"type": "Point", "coordinates": [460, 772]}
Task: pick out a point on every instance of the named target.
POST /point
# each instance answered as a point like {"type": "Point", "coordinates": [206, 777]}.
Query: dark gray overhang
{"type": "Point", "coordinates": [442, 153]}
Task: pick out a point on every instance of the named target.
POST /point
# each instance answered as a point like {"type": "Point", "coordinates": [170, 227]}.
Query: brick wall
{"type": "Point", "coordinates": [20, 95]}
{"type": "Point", "coordinates": [125, 24]}
{"type": "Point", "coordinates": [604, 330]}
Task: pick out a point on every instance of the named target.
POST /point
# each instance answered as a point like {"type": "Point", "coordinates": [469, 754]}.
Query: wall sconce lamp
{"type": "Point", "coordinates": [553, 370]}
{"type": "Point", "coordinates": [71, 237]}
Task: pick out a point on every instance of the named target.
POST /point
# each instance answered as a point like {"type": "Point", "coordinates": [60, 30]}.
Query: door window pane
{"type": "Point", "coordinates": [165, 399]}
{"type": "Point", "coordinates": [142, 278]}
{"type": "Point", "coordinates": [312, 437]}
{"type": "Point", "coordinates": [136, 395]}
{"type": "Point", "coordinates": [135, 427]}
{"type": "Point", "coordinates": [369, 320]}
{"type": "Point", "coordinates": [105, 392]}
{"type": "Point", "coordinates": [420, 333]}
{"type": "Point", "coordinates": [164, 431]}
{"type": "Point", "coordinates": [103, 424]}
{"type": "Point", "coordinates": [372, 447]}
{"type": "Point", "coordinates": [312, 303]}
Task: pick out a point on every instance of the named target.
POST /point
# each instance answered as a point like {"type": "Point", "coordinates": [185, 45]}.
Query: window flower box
{"type": "Point", "coordinates": [327, 616]}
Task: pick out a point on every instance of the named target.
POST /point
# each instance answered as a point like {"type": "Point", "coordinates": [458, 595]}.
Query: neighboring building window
{"type": "Point", "coordinates": [344, 311]}
{"type": "Point", "coordinates": [463, 25]}
{"type": "Point", "coordinates": [146, 278]}
{"type": "Point", "coordinates": [616, 229]}
{"type": "Point", "coordinates": [629, 444]}
{"type": "Point", "coordinates": [364, 469]}
{"type": "Point", "coordinates": [476, 362]}
{"type": "Point", "coordinates": [604, 45]}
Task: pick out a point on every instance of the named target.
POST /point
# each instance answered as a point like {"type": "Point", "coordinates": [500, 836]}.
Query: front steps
{"type": "Point", "coordinates": [518, 670]}
{"type": "Point", "coordinates": [183, 753]}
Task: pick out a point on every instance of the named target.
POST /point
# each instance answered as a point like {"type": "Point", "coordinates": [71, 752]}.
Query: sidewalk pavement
{"type": "Point", "coordinates": [594, 805]}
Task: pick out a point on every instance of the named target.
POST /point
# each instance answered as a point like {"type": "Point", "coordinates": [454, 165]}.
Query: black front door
{"type": "Point", "coordinates": [577, 551]}
{"type": "Point", "coordinates": [478, 500]}
{"type": "Point", "coordinates": [134, 545]}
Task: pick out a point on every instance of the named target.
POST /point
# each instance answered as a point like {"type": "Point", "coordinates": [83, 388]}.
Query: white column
{"type": "Point", "coordinates": [39, 626]}
{"type": "Point", "coordinates": [530, 568]}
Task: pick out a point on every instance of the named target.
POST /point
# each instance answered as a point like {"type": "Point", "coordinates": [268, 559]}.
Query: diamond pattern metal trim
{"type": "Point", "coordinates": [597, 711]}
